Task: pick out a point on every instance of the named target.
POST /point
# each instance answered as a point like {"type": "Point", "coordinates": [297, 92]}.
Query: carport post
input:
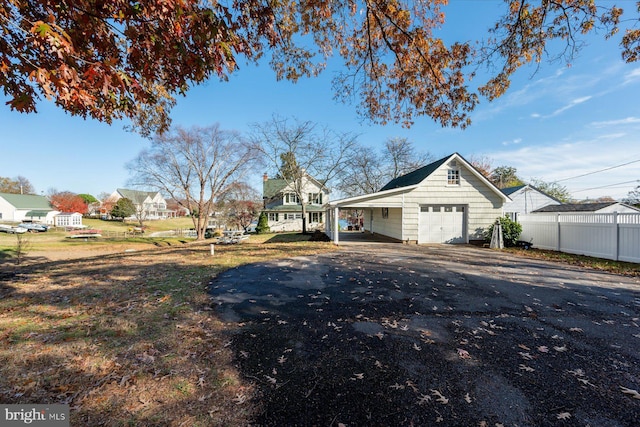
{"type": "Point", "coordinates": [336, 225]}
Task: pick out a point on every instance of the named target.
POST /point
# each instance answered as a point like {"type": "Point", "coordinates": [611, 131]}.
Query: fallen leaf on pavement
{"type": "Point", "coordinates": [633, 393]}
{"type": "Point", "coordinates": [440, 397]}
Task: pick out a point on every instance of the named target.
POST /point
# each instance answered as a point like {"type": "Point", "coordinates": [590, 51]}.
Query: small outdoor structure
{"type": "Point", "coordinates": [447, 201]}
{"type": "Point", "coordinates": [597, 207]}
{"type": "Point", "coordinates": [526, 199]}
{"type": "Point", "coordinates": [68, 220]}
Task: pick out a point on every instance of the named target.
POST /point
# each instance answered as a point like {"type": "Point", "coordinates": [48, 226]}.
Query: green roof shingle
{"type": "Point", "coordinates": [27, 201]}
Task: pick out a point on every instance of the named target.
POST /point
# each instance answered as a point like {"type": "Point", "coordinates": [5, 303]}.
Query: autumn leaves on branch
{"type": "Point", "coordinates": [123, 59]}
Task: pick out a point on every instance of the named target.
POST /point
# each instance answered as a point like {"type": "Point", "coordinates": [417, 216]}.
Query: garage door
{"type": "Point", "coordinates": [442, 224]}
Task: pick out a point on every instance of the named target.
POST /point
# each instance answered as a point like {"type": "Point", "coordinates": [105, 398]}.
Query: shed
{"type": "Point", "coordinates": [526, 199]}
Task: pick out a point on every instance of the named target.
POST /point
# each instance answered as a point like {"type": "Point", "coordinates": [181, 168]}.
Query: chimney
{"type": "Point", "coordinates": [265, 177]}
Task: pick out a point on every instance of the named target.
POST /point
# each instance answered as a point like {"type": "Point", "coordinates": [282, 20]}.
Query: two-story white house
{"type": "Point", "coordinates": [283, 205]}
{"type": "Point", "coordinates": [149, 204]}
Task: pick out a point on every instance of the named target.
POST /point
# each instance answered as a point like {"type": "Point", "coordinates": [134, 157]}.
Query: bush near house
{"type": "Point", "coordinates": [511, 231]}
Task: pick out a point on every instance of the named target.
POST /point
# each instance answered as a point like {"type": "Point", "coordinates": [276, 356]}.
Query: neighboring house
{"type": "Point", "coordinates": [26, 207]}
{"type": "Point", "coordinates": [599, 207]}
{"type": "Point", "coordinates": [284, 209]}
{"type": "Point", "coordinates": [149, 204]}
{"type": "Point", "coordinates": [447, 201]}
{"type": "Point", "coordinates": [68, 220]}
{"type": "Point", "coordinates": [526, 199]}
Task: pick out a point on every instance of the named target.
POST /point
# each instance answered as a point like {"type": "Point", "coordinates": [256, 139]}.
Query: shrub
{"type": "Point", "coordinates": [511, 231]}
{"type": "Point", "coordinates": [263, 224]}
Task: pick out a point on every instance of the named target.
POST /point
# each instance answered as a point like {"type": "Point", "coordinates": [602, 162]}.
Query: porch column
{"type": "Point", "coordinates": [336, 225]}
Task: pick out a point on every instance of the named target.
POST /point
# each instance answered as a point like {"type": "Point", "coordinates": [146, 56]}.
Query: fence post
{"type": "Point", "coordinates": [616, 233]}
{"type": "Point", "coordinates": [558, 245]}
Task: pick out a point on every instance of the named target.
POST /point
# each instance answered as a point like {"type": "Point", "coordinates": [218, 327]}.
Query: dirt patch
{"type": "Point", "coordinates": [434, 336]}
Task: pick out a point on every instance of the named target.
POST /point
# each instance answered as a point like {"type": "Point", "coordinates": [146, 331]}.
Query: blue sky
{"type": "Point", "coordinates": [555, 123]}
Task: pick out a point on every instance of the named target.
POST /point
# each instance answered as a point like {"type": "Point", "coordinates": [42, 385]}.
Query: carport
{"type": "Point", "coordinates": [384, 201]}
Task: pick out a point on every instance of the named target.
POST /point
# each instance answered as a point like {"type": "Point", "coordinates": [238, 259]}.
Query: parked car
{"type": "Point", "coordinates": [32, 227]}
{"type": "Point", "coordinates": [11, 229]}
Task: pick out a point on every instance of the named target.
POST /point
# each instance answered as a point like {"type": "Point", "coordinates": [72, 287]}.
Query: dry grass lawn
{"type": "Point", "coordinates": [126, 338]}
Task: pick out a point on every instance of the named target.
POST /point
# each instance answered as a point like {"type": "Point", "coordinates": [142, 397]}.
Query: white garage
{"type": "Point", "coordinates": [442, 224]}
{"type": "Point", "coordinates": [447, 201]}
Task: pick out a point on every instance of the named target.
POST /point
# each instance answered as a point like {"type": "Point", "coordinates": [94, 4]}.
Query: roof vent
{"type": "Point", "coordinates": [453, 164]}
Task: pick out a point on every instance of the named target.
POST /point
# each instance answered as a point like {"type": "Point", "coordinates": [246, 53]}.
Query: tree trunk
{"type": "Point", "coordinates": [304, 219]}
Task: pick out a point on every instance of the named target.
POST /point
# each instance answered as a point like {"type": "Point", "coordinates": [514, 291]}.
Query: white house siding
{"type": "Point", "coordinates": [619, 208]}
{"type": "Point", "coordinates": [390, 226]}
{"type": "Point", "coordinates": [7, 211]}
{"type": "Point", "coordinates": [527, 200]}
{"type": "Point", "coordinates": [482, 204]}
{"type": "Point", "coordinates": [372, 218]}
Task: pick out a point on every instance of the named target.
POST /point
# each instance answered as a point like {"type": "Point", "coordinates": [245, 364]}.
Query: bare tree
{"type": "Point", "coordinates": [403, 157]}
{"type": "Point", "coordinates": [483, 164]}
{"type": "Point", "coordinates": [242, 205]}
{"type": "Point", "coordinates": [364, 173]}
{"type": "Point", "coordinates": [370, 170]}
{"type": "Point", "coordinates": [299, 150]}
{"type": "Point", "coordinates": [18, 185]}
{"type": "Point", "coordinates": [194, 166]}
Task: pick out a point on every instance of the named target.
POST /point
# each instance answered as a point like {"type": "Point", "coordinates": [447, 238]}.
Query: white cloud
{"type": "Point", "coordinates": [625, 121]}
{"type": "Point", "coordinates": [571, 104]}
{"type": "Point", "coordinates": [556, 162]}
{"type": "Point", "coordinates": [632, 76]}
{"type": "Point", "coordinates": [515, 141]}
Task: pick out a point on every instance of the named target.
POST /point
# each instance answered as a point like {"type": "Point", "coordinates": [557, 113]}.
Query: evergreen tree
{"type": "Point", "coordinates": [123, 209]}
{"type": "Point", "coordinates": [263, 224]}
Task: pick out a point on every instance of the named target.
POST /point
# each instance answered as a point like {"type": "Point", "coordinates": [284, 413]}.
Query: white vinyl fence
{"type": "Point", "coordinates": [613, 236]}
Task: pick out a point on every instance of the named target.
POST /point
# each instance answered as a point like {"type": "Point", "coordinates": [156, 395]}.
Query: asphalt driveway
{"type": "Point", "coordinates": [434, 335]}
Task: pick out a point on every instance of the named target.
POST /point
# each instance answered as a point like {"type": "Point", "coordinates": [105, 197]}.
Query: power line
{"type": "Point", "coordinates": [606, 186]}
{"type": "Point", "coordinates": [598, 171]}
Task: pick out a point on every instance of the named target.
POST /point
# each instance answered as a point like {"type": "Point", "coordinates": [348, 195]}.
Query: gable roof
{"type": "Point", "coordinates": [513, 190]}
{"type": "Point", "coordinates": [272, 186]}
{"type": "Point", "coordinates": [136, 195]}
{"type": "Point", "coordinates": [509, 191]}
{"type": "Point", "coordinates": [576, 207]}
{"type": "Point", "coordinates": [415, 177]}
{"type": "Point", "coordinates": [27, 201]}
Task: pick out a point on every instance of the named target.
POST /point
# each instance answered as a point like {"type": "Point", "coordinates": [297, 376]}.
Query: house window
{"type": "Point", "coordinates": [292, 216]}
{"type": "Point", "coordinates": [385, 213]}
{"type": "Point", "coordinates": [291, 199]}
{"type": "Point", "coordinates": [273, 216]}
{"type": "Point", "coordinates": [453, 177]}
{"type": "Point", "coordinates": [315, 198]}
{"type": "Point", "coordinates": [315, 216]}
